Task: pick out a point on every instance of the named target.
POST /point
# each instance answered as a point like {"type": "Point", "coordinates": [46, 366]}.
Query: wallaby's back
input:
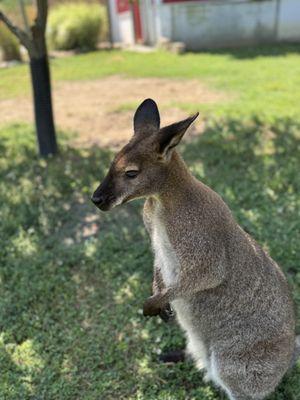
{"type": "Point", "coordinates": [246, 321]}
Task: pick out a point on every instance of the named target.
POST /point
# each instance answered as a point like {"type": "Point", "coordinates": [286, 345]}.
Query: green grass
{"type": "Point", "coordinates": [262, 81]}
{"type": "Point", "coordinates": [70, 304]}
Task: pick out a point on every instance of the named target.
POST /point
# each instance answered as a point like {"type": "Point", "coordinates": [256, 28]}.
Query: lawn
{"type": "Point", "coordinates": [73, 280]}
{"type": "Point", "coordinates": [262, 81]}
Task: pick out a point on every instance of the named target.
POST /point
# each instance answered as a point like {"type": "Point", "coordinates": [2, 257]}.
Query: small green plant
{"type": "Point", "coordinates": [9, 46]}
{"type": "Point", "coordinates": [75, 26]}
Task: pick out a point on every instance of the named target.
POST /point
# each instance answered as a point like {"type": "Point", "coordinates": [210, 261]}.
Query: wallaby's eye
{"type": "Point", "coordinates": [131, 173]}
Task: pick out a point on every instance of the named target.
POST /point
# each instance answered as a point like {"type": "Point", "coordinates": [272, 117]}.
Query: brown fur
{"type": "Point", "coordinates": [231, 299]}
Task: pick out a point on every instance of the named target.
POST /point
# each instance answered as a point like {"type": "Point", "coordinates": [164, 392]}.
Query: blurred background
{"type": "Point", "coordinates": [72, 279]}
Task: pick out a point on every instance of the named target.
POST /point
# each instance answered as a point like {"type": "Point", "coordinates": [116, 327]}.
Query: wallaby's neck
{"type": "Point", "coordinates": [178, 184]}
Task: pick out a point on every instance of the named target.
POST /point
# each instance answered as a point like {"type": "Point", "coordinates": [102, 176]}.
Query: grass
{"type": "Point", "coordinates": [260, 81]}
{"type": "Point", "coordinates": [71, 297]}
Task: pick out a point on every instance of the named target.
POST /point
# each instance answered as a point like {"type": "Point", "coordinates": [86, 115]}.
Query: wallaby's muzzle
{"type": "Point", "coordinates": [102, 201]}
{"type": "Point", "coordinates": [103, 197]}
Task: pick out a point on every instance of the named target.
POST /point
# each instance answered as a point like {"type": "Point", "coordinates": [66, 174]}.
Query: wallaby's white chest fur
{"type": "Point", "coordinates": [164, 253]}
{"type": "Point", "coordinates": [166, 260]}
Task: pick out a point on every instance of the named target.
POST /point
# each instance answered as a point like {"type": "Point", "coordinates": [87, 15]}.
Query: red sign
{"type": "Point", "coordinates": [122, 6]}
{"type": "Point", "coordinates": [137, 22]}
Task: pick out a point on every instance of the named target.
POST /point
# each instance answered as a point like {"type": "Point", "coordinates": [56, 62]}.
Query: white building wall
{"type": "Point", "coordinates": [114, 20]}
{"type": "Point", "coordinates": [150, 16]}
{"type": "Point", "coordinates": [126, 27]}
{"type": "Point", "coordinates": [289, 20]}
{"type": "Point", "coordinates": [219, 23]}
{"type": "Point", "coordinates": [122, 25]}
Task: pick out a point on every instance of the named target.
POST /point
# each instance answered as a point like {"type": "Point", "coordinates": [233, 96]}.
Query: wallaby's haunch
{"type": "Point", "coordinates": [231, 299]}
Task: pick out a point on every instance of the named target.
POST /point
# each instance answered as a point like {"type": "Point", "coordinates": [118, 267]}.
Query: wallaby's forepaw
{"type": "Point", "coordinates": [167, 314]}
{"type": "Point", "coordinates": [151, 307]}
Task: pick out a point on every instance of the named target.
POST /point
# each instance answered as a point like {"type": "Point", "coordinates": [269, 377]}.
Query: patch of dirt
{"type": "Point", "coordinates": [101, 111]}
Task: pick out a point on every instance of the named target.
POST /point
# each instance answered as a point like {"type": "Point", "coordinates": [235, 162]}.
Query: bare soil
{"type": "Point", "coordinates": [100, 111]}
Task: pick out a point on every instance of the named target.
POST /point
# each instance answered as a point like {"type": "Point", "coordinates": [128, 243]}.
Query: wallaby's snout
{"type": "Point", "coordinates": [104, 196]}
{"type": "Point", "coordinates": [102, 201]}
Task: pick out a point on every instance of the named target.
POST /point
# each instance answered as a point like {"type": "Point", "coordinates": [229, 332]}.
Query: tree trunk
{"type": "Point", "coordinates": [34, 41]}
{"type": "Point", "coordinates": [109, 22]}
{"type": "Point", "coordinates": [40, 76]}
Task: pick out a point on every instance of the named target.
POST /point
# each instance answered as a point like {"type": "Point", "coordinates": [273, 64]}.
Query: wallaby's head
{"type": "Point", "coordinates": [141, 167]}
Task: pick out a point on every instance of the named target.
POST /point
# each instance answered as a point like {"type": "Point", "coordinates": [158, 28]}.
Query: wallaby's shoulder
{"type": "Point", "coordinates": [196, 208]}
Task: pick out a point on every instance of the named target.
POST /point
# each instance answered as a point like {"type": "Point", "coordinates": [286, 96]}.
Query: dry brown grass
{"type": "Point", "coordinates": [101, 111]}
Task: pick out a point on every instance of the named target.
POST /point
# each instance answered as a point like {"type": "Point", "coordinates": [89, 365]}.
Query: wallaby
{"type": "Point", "coordinates": [230, 298]}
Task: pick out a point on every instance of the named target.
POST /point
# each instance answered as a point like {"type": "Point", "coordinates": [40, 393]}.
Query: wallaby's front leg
{"type": "Point", "coordinates": [190, 281]}
{"type": "Point", "coordinates": [166, 313]}
{"type": "Point", "coordinates": [155, 304]}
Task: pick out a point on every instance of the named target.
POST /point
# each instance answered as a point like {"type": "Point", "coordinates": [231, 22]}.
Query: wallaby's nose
{"type": "Point", "coordinates": [97, 200]}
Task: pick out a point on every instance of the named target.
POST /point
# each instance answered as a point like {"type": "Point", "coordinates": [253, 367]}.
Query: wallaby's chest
{"type": "Point", "coordinates": [165, 255]}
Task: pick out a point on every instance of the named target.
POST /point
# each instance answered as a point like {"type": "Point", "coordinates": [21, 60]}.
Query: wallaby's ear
{"type": "Point", "coordinates": [146, 118]}
{"type": "Point", "coordinates": [170, 136]}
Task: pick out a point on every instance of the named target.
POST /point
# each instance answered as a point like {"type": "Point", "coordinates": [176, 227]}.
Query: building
{"type": "Point", "coordinates": [205, 23]}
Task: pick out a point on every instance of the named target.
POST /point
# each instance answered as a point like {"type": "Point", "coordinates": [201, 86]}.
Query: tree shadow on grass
{"type": "Point", "coordinates": [61, 268]}
{"type": "Point", "coordinates": [72, 284]}
{"type": "Point", "coordinates": [254, 51]}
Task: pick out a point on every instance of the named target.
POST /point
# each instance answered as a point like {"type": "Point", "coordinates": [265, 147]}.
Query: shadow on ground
{"type": "Point", "coordinates": [266, 50]}
{"type": "Point", "coordinates": [73, 280]}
